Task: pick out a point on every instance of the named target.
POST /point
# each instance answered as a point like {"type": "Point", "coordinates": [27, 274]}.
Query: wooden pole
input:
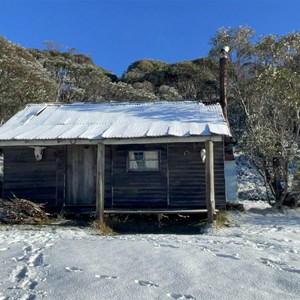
{"type": "Point", "coordinates": [210, 182]}
{"type": "Point", "coordinates": [100, 182]}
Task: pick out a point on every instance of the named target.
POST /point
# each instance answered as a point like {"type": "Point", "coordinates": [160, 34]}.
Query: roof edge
{"type": "Point", "coordinates": [114, 141]}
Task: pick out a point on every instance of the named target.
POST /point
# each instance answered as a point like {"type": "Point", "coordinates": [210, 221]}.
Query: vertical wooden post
{"type": "Point", "coordinates": [210, 182]}
{"type": "Point", "coordinates": [100, 186]}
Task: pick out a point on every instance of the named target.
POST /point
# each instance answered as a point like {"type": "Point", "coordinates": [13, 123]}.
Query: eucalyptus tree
{"type": "Point", "coordinates": [264, 95]}
{"type": "Point", "coordinates": [22, 79]}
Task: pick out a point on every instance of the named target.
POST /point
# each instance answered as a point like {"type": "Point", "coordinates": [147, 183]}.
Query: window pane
{"type": "Point", "coordinates": [143, 160]}
{"type": "Point", "coordinates": [131, 155]}
{"type": "Point", "coordinates": [133, 165]}
{"type": "Point", "coordinates": [152, 155]}
{"type": "Point", "coordinates": [152, 164]}
{"type": "Point", "coordinates": [138, 156]}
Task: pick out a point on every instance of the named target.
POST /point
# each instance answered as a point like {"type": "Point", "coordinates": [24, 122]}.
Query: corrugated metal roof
{"type": "Point", "coordinates": [115, 120]}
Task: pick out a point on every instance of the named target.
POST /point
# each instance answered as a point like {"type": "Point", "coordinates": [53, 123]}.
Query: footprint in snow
{"type": "Point", "coordinates": [36, 260]}
{"type": "Point", "coordinates": [280, 265]}
{"type": "Point", "coordinates": [73, 269]}
{"type": "Point", "coordinates": [146, 283]}
{"type": "Point", "coordinates": [106, 277]}
{"type": "Point", "coordinates": [30, 284]}
{"type": "Point", "coordinates": [166, 246]}
{"type": "Point", "coordinates": [27, 248]}
{"type": "Point", "coordinates": [28, 297]}
{"type": "Point", "coordinates": [181, 296]}
{"type": "Point", "coordinates": [292, 270]}
{"type": "Point", "coordinates": [272, 263]}
{"type": "Point", "coordinates": [19, 274]}
{"type": "Point", "coordinates": [235, 256]}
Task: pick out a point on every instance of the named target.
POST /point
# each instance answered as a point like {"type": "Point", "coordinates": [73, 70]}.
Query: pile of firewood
{"type": "Point", "coordinates": [21, 211]}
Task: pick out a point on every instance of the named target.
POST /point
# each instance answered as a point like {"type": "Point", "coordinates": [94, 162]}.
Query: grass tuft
{"type": "Point", "coordinates": [103, 227]}
{"type": "Point", "coordinates": [222, 219]}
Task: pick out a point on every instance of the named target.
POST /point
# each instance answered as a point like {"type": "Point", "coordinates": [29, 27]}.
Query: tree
{"type": "Point", "coordinates": [272, 128]}
{"type": "Point", "coordinates": [76, 77]}
{"type": "Point", "coordinates": [52, 45]}
{"type": "Point", "coordinates": [193, 79]}
{"type": "Point", "coordinates": [264, 97]}
{"type": "Point", "coordinates": [22, 80]}
{"type": "Point", "coordinates": [145, 69]}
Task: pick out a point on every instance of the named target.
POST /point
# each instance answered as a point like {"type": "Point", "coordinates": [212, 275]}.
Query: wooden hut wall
{"type": "Point", "coordinates": [108, 177]}
{"type": "Point", "coordinates": [187, 175]}
{"type": "Point", "coordinates": [220, 192]}
{"type": "Point", "coordinates": [39, 181]}
{"type": "Point", "coordinates": [137, 188]}
{"type": "Point", "coordinates": [66, 176]}
{"type": "Point", "coordinates": [180, 181]}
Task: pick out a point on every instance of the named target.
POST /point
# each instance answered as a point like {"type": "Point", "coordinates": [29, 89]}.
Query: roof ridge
{"type": "Point", "coordinates": [125, 103]}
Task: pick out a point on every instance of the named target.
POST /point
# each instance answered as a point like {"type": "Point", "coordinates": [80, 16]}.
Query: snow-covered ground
{"type": "Point", "coordinates": [250, 183]}
{"type": "Point", "coordinates": [257, 257]}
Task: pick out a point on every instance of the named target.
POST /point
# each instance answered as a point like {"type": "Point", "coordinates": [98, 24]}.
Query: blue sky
{"type": "Point", "coordinates": [118, 32]}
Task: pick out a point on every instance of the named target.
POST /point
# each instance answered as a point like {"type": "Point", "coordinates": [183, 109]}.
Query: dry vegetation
{"type": "Point", "coordinates": [21, 211]}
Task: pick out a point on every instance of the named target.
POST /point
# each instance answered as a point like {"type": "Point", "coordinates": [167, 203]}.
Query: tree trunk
{"type": "Point", "coordinates": [278, 188]}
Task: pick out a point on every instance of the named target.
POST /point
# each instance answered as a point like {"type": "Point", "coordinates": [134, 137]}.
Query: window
{"type": "Point", "coordinates": [143, 160]}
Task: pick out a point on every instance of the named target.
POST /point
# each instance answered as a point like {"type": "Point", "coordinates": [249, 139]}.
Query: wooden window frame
{"type": "Point", "coordinates": [144, 169]}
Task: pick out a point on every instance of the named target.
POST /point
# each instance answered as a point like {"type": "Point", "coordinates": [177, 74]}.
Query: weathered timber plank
{"type": "Point", "coordinates": [28, 178]}
{"type": "Point", "coordinates": [81, 173]}
{"type": "Point", "coordinates": [210, 181]}
{"type": "Point", "coordinates": [100, 175]}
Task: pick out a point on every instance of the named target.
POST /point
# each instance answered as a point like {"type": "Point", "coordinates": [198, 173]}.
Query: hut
{"type": "Point", "coordinates": [162, 156]}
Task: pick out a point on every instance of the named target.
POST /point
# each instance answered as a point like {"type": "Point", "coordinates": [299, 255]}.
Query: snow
{"type": "Point", "coordinates": [250, 183]}
{"type": "Point", "coordinates": [256, 257]}
{"type": "Point", "coordinates": [115, 120]}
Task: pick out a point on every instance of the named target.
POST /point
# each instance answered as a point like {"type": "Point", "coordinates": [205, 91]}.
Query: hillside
{"type": "Point", "coordinates": [32, 76]}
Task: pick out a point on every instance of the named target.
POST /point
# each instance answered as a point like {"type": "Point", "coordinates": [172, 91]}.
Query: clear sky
{"type": "Point", "coordinates": [118, 32]}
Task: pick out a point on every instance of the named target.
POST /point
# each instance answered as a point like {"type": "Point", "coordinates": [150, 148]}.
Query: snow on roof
{"type": "Point", "coordinates": [95, 121]}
